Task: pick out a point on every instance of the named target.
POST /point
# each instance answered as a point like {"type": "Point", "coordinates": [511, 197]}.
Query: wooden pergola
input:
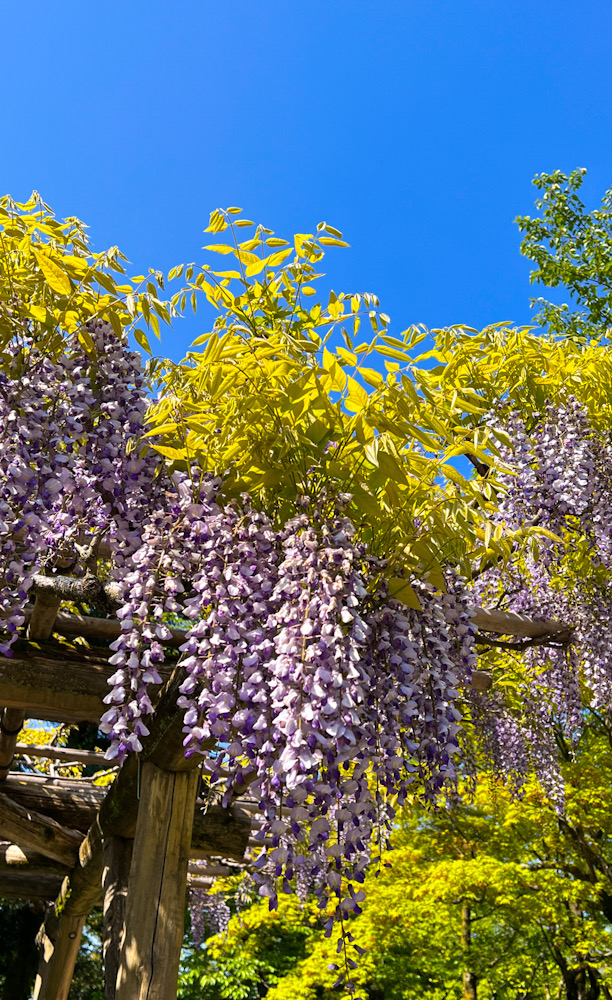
{"type": "Point", "coordinates": [129, 846]}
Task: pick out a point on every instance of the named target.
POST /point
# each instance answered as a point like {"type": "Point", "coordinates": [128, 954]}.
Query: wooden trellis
{"type": "Point", "coordinates": [130, 846]}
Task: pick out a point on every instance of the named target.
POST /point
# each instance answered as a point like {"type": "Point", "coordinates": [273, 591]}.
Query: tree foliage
{"type": "Point", "coordinates": [534, 885]}
{"type": "Point", "coordinates": [572, 249]}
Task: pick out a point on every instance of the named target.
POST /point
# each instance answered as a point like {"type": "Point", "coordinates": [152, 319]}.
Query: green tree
{"type": "Point", "coordinates": [489, 897]}
{"type": "Point", "coordinates": [572, 249]}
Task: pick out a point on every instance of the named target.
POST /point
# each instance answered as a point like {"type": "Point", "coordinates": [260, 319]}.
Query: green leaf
{"type": "Point", "coordinates": [219, 248]}
{"type": "Point", "coordinates": [57, 279]}
{"type": "Point", "coordinates": [400, 590]}
{"type": "Point", "coordinates": [328, 241]}
{"type": "Point", "coordinates": [141, 340]}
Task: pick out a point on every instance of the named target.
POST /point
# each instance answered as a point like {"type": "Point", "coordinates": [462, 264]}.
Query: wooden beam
{"type": "Point", "coordinates": [36, 885]}
{"type": "Point", "coordinates": [37, 832]}
{"type": "Point", "coordinates": [63, 754]}
{"type": "Point", "coordinates": [88, 589]}
{"type": "Point", "coordinates": [58, 687]}
{"type": "Point", "coordinates": [25, 874]}
{"type": "Point", "coordinates": [117, 854]}
{"type": "Point", "coordinates": [69, 687]}
{"type": "Point", "coordinates": [525, 626]}
{"type": "Point", "coordinates": [75, 802]}
{"type": "Point", "coordinates": [101, 629]}
{"type": "Point", "coordinates": [71, 801]}
{"type": "Point", "coordinates": [155, 908]}
{"type": "Point", "coordinates": [40, 627]}
{"type": "Point", "coordinates": [499, 622]}
{"type": "Point", "coordinates": [14, 858]}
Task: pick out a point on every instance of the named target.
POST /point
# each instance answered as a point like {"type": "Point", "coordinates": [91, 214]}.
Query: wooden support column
{"type": "Point", "coordinates": [59, 940]}
{"type": "Point", "coordinates": [155, 909]}
{"type": "Point", "coordinates": [60, 935]}
{"type": "Point", "coordinates": [117, 855]}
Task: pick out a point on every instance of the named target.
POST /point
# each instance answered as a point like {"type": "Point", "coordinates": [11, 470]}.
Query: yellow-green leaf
{"type": "Point", "coordinates": [141, 340]}
{"type": "Point", "coordinates": [400, 590]}
{"type": "Point", "coordinates": [57, 279]}
{"type": "Point", "coordinates": [220, 248]}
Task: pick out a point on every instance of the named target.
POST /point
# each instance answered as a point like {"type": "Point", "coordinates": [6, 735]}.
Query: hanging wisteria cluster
{"type": "Point", "coordinates": [66, 471]}
{"type": "Point", "coordinates": [561, 481]}
{"type": "Point", "coordinates": [319, 696]}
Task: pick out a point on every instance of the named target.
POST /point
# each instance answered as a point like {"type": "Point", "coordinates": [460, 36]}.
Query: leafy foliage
{"type": "Point", "coordinates": [270, 403]}
{"type": "Point", "coordinates": [53, 285]}
{"type": "Point", "coordinates": [535, 888]}
{"type": "Point", "coordinates": [572, 249]}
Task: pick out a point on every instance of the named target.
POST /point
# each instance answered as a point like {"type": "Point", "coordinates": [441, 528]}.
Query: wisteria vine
{"type": "Point", "coordinates": [305, 685]}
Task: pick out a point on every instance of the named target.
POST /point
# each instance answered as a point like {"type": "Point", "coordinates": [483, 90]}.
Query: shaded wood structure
{"type": "Point", "coordinates": [129, 846]}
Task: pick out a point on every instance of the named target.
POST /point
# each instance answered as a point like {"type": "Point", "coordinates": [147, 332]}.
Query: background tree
{"type": "Point", "coordinates": [533, 884]}
{"type": "Point", "coordinates": [572, 249]}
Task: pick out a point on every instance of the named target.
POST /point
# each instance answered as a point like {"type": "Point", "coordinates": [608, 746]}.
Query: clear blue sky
{"type": "Point", "coordinates": [415, 127]}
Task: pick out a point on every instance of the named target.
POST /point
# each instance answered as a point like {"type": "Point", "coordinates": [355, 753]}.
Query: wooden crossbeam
{"type": "Point", "coordinates": [487, 620]}
{"type": "Point", "coordinates": [12, 719]}
{"type": "Point", "coordinates": [65, 755]}
{"type": "Point", "coordinates": [60, 686]}
{"type": "Point", "coordinates": [71, 801]}
{"type": "Point", "coordinates": [16, 884]}
{"type": "Point", "coordinates": [38, 832]}
{"type": "Point", "coordinates": [523, 626]}
{"type": "Point", "coordinates": [69, 687]}
{"type": "Point", "coordinates": [75, 803]}
{"type": "Point", "coordinates": [24, 874]}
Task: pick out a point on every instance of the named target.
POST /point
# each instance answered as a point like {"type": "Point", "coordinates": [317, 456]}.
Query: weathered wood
{"type": "Point", "coordinates": [34, 885]}
{"type": "Point", "coordinates": [499, 622]}
{"type": "Point", "coordinates": [65, 687]}
{"type": "Point", "coordinates": [59, 941]}
{"type": "Point", "coordinates": [14, 858]}
{"type": "Point", "coordinates": [25, 874]}
{"type": "Point", "coordinates": [117, 855]}
{"type": "Point", "coordinates": [510, 623]}
{"type": "Point", "coordinates": [63, 754]}
{"type": "Point", "coordinates": [70, 801]}
{"type": "Point", "coordinates": [155, 909]}
{"type": "Point", "coordinates": [11, 724]}
{"type": "Point", "coordinates": [214, 871]}
{"type": "Point", "coordinates": [221, 833]}
{"type": "Point", "coordinates": [37, 832]}
{"type": "Point", "coordinates": [481, 680]}
{"type": "Point", "coordinates": [42, 618]}
{"type": "Point", "coordinates": [74, 802]}
{"type": "Point", "coordinates": [44, 613]}
{"type": "Point", "coordinates": [101, 629]}
{"type": "Point", "coordinates": [88, 589]}
{"type": "Point", "coordinates": [120, 807]}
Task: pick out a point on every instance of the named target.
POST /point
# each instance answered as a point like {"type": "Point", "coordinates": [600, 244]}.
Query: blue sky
{"type": "Point", "coordinates": [414, 127]}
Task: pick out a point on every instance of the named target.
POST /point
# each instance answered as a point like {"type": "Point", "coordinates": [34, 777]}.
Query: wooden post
{"type": "Point", "coordinates": [117, 855]}
{"type": "Point", "coordinates": [60, 934]}
{"type": "Point", "coordinates": [59, 941]}
{"type": "Point", "coordinates": [155, 909]}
